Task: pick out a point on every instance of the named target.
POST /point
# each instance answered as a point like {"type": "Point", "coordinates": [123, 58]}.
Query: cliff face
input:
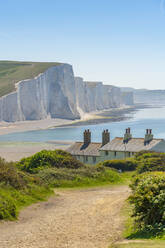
{"type": "Point", "coordinates": [57, 94]}
{"type": "Point", "coordinates": [52, 94]}
{"type": "Point", "coordinates": [128, 98]}
{"type": "Point", "coordinates": [93, 96]}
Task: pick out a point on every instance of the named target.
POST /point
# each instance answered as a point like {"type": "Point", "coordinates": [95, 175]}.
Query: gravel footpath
{"type": "Point", "coordinates": [87, 218]}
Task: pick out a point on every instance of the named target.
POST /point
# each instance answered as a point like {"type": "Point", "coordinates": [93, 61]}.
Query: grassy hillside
{"type": "Point", "coordinates": [32, 179]}
{"type": "Point", "coordinates": [12, 71]}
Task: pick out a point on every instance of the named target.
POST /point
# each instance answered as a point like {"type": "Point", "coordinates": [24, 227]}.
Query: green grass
{"type": "Point", "coordinates": [87, 176]}
{"type": "Point", "coordinates": [32, 179]}
{"type": "Point", "coordinates": [137, 239]}
{"type": "Point", "coordinates": [141, 244]}
{"type": "Point", "coordinates": [12, 72]}
{"type": "Point", "coordinates": [18, 189]}
{"type": "Point", "coordinates": [131, 233]}
{"type": "Point", "coordinates": [13, 200]}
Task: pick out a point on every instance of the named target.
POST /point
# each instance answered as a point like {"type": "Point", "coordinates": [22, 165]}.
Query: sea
{"type": "Point", "coordinates": [138, 121]}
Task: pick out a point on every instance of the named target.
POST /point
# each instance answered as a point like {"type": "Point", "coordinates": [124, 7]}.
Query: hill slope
{"type": "Point", "coordinates": [13, 71]}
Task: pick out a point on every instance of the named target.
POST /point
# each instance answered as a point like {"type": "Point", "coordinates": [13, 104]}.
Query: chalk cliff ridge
{"type": "Point", "coordinates": [94, 96]}
{"type": "Point", "coordinates": [56, 93]}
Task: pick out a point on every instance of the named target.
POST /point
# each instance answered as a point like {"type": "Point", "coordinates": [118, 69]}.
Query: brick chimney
{"type": "Point", "coordinates": [148, 136]}
{"type": "Point", "coordinates": [87, 137]}
{"type": "Point", "coordinates": [105, 137]}
{"type": "Point", "coordinates": [127, 135]}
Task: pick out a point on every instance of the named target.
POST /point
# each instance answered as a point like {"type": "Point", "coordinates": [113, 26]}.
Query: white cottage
{"type": "Point", "coordinates": [119, 148]}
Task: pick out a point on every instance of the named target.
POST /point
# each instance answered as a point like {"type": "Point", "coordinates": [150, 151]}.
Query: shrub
{"type": "Point", "coordinates": [86, 175]}
{"type": "Point", "coordinates": [120, 164]}
{"type": "Point", "coordinates": [9, 175]}
{"type": "Point", "coordinates": [47, 159]}
{"type": "Point", "coordinates": [18, 189]}
{"type": "Point", "coordinates": [150, 162]}
{"type": "Point", "coordinates": [148, 199]}
{"type": "Point", "coordinates": [8, 209]}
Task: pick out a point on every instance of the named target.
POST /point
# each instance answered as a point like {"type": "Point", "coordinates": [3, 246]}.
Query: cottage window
{"type": "Point", "coordinates": [115, 153]}
{"type": "Point", "coordinates": [94, 159]}
{"type": "Point", "coordinates": [106, 153]}
{"type": "Point", "coordinates": [129, 154]}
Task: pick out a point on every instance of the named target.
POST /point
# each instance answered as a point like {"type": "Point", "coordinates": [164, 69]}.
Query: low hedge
{"type": "Point", "coordinates": [88, 175]}
{"type": "Point", "coordinates": [120, 164]}
{"type": "Point", "coordinates": [150, 161]}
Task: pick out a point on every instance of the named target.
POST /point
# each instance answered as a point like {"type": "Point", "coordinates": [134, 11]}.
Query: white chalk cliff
{"type": "Point", "coordinates": [57, 94]}
{"type": "Point", "coordinates": [93, 96]}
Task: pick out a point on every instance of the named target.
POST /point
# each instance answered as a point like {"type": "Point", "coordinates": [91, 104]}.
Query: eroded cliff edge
{"type": "Point", "coordinates": [56, 93]}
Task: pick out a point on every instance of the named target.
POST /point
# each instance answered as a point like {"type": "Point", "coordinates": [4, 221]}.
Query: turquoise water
{"type": "Point", "coordinates": [147, 118]}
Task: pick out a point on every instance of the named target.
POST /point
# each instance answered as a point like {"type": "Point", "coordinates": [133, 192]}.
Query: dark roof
{"type": "Point", "coordinates": [133, 145]}
{"type": "Point", "coordinates": [78, 148]}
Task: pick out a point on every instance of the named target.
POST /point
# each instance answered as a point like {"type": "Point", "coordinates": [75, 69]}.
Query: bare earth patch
{"type": "Point", "coordinates": [87, 218]}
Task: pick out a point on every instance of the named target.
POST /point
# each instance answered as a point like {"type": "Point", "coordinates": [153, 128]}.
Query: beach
{"type": "Point", "coordinates": [14, 151]}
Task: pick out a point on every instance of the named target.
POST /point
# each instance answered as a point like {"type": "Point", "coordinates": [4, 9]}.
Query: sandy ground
{"type": "Point", "coordinates": [88, 218]}
{"type": "Point", "coordinates": [22, 126]}
{"type": "Point", "coordinates": [14, 151]}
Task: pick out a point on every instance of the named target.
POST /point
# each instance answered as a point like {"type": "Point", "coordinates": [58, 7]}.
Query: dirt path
{"type": "Point", "coordinates": [87, 218]}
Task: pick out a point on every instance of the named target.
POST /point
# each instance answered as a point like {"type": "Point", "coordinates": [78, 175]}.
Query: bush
{"type": "Point", "coordinates": [84, 176]}
{"type": "Point", "coordinates": [9, 175]}
{"type": "Point", "coordinates": [120, 164]}
{"type": "Point", "coordinates": [8, 209]}
{"type": "Point", "coordinates": [47, 159]}
{"type": "Point", "coordinates": [148, 199]}
{"type": "Point", "coordinates": [18, 189]}
{"type": "Point", "coordinates": [150, 162]}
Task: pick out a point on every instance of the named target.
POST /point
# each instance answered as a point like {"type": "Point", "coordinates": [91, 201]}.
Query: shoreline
{"type": "Point", "coordinates": [14, 151]}
{"type": "Point", "coordinates": [93, 118]}
{"type": "Point", "coordinates": [107, 116]}
{"type": "Point", "coordinates": [98, 117]}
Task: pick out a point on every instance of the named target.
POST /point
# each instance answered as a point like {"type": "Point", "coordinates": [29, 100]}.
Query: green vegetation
{"type": "Point", "coordinates": [148, 200]}
{"type": "Point", "coordinates": [142, 162]}
{"type": "Point", "coordinates": [150, 161]}
{"type": "Point", "coordinates": [145, 244]}
{"type": "Point", "coordinates": [144, 211]}
{"type": "Point", "coordinates": [86, 176]}
{"type": "Point", "coordinates": [121, 164]}
{"type": "Point", "coordinates": [33, 178]}
{"type": "Point", "coordinates": [18, 189]}
{"type": "Point", "coordinates": [59, 169]}
{"type": "Point", "coordinates": [47, 159]}
{"type": "Point", "coordinates": [145, 208]}
{"type": "Point", "coordinates": [12, 72]}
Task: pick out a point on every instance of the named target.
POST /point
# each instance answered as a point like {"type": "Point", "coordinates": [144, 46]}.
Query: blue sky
{"type": "Point", "coordinates": [120, 42]}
